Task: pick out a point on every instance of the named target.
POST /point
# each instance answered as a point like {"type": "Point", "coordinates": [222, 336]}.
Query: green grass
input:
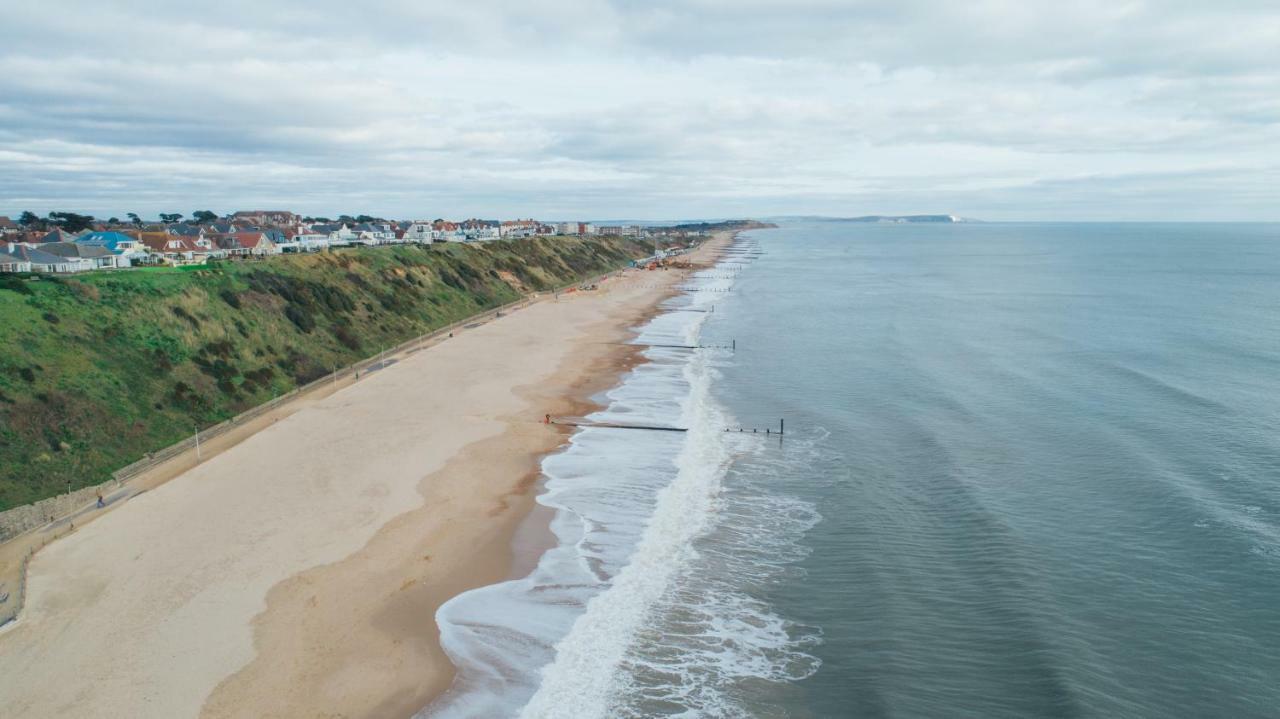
{"type": "Point", "coordinates": [98, 369]}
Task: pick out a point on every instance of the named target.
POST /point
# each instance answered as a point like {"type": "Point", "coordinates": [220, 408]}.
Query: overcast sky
{"type": "Point", "coordinates": [643, 109]}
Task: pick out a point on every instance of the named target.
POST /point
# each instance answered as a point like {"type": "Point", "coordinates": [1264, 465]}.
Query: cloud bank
{"type": "Point", "coordinates": [998, 109]}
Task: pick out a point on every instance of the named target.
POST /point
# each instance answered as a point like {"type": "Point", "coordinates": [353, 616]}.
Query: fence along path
{"type": "Point", "coordinates": [145, 464]}
{"type": "Point", "coordinates": [29, 525]}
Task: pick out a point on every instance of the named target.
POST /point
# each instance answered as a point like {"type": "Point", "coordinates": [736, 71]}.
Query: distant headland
{"type": "Point", "coordinates": [902, 219]}
{"type": "Point", "coordinates": [725, 226]}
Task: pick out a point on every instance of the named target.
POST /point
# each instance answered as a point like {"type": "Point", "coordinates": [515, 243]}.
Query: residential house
{"type": "Point", "coordinates": [91, 257]}
{"type": "Point", "coordinates": [477, 230]}
{"type": "Point", "coordinates": [247, 244]}
{"type": "Point", "coordinates": [338, 233]}
{"type": "Point", "coordinates": [274, 218]}
{"type": "Point", "coordinates": [118, 243]}
{"type": "Point", "coordinates": [514, 229]}
{"type": "Point", "coordinates": [311, 241]}
{"type": "Point", "coordinates": [21, 258]}
{"type": "Point", "coordinates": [57, 234]}
{"type": "Point", "coordinates": [446, 231]}
{"type": "Point", "coordinates": [176, 250]}
{"type": "Point", "coordinates": [420, 231]}
{"type": "Point", "coordinates": [370, 233]}
{"type": "Point", "coordinates": [8, 226]}
{"type": "Point", "coordinates": [10, 262]}
{"type": "Point", "coordinates": [184, 229]}
{"type": "Point", "coordinates": [31, 238]}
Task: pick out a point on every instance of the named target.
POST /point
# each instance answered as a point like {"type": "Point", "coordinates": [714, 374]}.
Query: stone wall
{"type": "Point", "coordinates": [29, 516]}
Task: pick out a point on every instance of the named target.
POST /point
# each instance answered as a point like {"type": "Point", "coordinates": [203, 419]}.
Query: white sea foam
{"type": "Point", "coordinates": [582, 635]}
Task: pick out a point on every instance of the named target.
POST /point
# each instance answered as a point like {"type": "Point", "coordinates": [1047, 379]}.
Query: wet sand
{"type": "Point", "coordinates": [298, 573]}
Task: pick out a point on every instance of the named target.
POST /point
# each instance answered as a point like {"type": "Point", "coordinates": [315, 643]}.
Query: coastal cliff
{"type": "Point", "coordinates": [99, 370]}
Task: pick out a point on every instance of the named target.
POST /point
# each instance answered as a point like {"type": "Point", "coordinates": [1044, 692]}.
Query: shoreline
{"type": "Point", "coordinates": [424, 669]}
{"type": "Point", "coordinates": [351, 633]}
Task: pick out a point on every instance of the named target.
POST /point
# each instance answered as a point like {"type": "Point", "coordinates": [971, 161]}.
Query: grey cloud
{"type": "Point", "coordinates": [631, 109]}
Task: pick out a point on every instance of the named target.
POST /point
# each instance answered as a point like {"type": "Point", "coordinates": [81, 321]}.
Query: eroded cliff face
{"type": "Point", "coordinates": [98, 369]}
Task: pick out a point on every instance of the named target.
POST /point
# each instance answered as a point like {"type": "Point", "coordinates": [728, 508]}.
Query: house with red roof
{"type": "Point", "coordinates": [174, 249]}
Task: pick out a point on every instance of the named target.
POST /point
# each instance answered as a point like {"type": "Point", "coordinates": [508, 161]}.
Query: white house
{"type": "Point", "coordinates": [420, 231]}
{"type": "Point", "coordinates": [338, 233]}
{"type": "Point", "coordinates": [311, 241]}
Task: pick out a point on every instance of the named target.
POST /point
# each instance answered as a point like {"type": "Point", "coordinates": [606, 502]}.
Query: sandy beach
{"type": "Point", "coordinates": [297, 573]}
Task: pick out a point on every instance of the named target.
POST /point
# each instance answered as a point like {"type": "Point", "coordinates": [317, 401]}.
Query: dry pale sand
{"type": "Point", "coordinates": [297, 573]}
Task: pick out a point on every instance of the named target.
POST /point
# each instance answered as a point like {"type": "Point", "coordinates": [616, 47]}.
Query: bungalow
{"type": "Point", "coordinates": [10, 262]}
{"type": "Point", "coordinates": [21, 258]}
{"type": "Point", "coordinates": [93, 257]}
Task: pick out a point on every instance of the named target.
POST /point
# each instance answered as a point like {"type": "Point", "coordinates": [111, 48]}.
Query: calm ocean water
{"type": "Point", "coordinates": [1030, 470]}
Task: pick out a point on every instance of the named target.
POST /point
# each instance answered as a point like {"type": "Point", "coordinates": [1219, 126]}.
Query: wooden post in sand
{"type": "Point", "coordinates": [197, 445]}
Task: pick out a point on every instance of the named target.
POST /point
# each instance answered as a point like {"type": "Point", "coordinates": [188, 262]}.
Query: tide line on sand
{"type": "Point", "coordinates": [291, 573]}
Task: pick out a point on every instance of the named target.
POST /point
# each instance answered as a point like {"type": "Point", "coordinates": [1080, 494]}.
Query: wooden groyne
{"type": "Point", "coordinates": [584, 422]}
{"type": "Point", "coordinates": [580, 422]}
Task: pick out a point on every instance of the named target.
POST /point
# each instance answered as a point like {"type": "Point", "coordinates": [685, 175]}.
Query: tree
{"type": "Point", "coordinates": [137, 221]}
{"type": "Point", "coordinates": [70, 221]}
{"type": "Point", "coordinates": [113, 221]}
{"type": "Point", "coordinates": [169, 219]}
{"type": "Point", "coordinates": [30, 220]}
{"type": "Point", "coordinates": [203, 216]}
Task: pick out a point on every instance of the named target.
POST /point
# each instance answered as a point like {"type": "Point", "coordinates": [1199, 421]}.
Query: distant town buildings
{"type": "Point", "coordinates": [41, 247]}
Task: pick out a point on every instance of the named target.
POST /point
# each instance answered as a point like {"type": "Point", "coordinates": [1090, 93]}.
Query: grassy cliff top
{"type": "Point", "coordinates": [98, 369]}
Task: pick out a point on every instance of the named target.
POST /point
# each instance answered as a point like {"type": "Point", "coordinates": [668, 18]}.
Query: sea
{"type": "Point", "coordinates": [1028, 470]}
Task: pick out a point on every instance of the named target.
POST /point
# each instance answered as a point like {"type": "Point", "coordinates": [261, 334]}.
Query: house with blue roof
{"type": "Point", "coordinates": [117, 243]}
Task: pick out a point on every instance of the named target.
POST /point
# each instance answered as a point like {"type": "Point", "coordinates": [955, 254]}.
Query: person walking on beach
{"type": "Point", "coordinates": [101, 504]}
